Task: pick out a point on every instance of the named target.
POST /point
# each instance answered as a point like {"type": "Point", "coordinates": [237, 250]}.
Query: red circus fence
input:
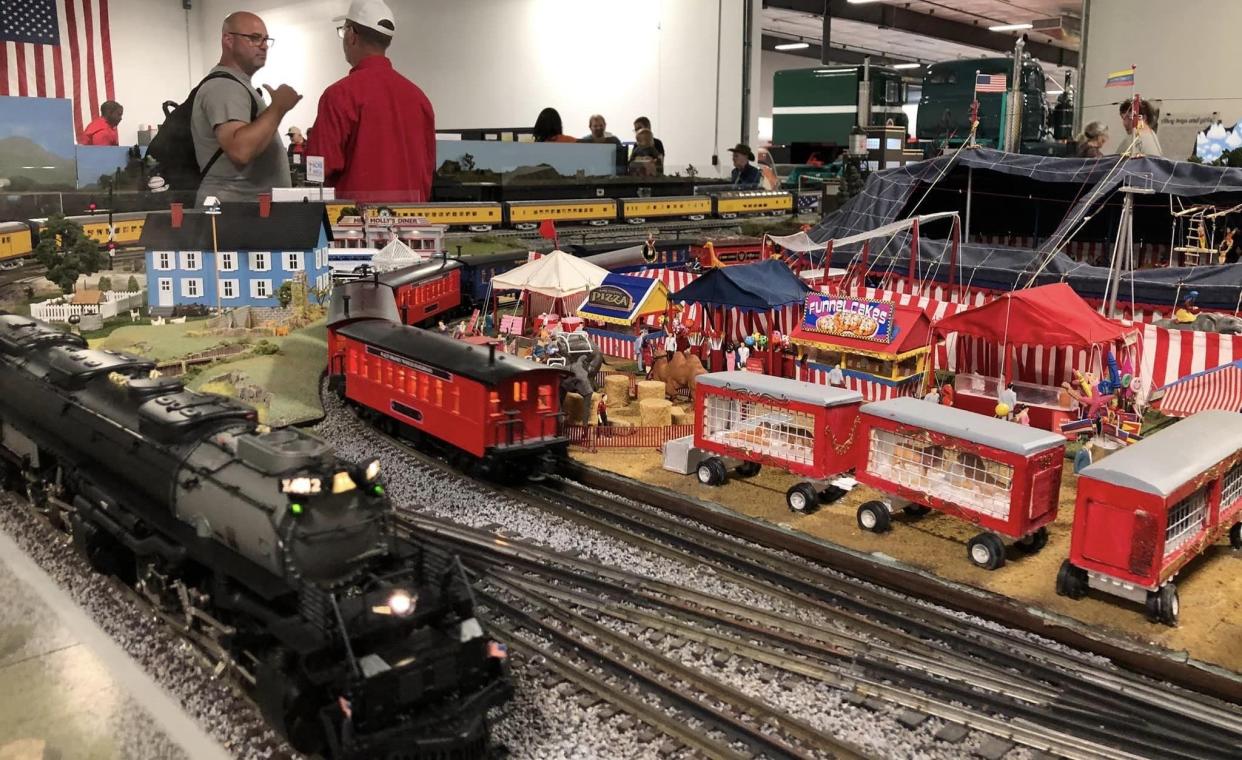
{"type": "Point", "coordinates": [595, 437]}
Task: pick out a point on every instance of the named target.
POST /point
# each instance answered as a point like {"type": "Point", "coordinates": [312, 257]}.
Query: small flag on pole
{"type": "Point", "coordinates": [547, 229]}
{"type": "Point", "coordinates": [991, 83]}
{"type": "Point", "coordinates": [1123, 78]}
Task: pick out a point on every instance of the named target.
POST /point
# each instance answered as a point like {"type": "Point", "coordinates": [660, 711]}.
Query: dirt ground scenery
{"type": "Point", "coordinates": [1210, 588]}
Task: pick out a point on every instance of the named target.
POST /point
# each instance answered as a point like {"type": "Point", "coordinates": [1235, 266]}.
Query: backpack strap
{"type": "Point", "coordinates": [254, 113]}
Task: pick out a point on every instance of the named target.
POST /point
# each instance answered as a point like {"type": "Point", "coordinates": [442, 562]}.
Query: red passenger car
{"type": "Point", "coordinates": [425, 291]}
{"type": "Point", "coordinates": [1147, 510]}
{"type": "Point", "coordinates": [1001, 476]}
{"type": "Point", "coordinates": [474, 403]}
{"type": "Point", "coordinates": [759, 419]}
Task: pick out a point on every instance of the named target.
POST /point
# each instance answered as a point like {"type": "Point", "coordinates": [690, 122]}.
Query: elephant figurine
{"type": "Point", "coordinates": [1226, 324]}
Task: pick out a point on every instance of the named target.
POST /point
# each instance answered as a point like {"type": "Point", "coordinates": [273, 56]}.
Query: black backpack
{"type": "Point", "coordinates": [173, 145]}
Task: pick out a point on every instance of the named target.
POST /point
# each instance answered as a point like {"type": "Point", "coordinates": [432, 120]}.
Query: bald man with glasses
{"type": "Point", "coordinates": [236, 139]}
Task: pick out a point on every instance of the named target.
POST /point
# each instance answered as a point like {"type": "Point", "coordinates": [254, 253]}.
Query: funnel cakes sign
{"type": "Point", "coordinates": [860, 318]}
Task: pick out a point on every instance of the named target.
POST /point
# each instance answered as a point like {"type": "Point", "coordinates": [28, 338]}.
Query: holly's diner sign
{"type": "Point", "coordinates": [861, 318]}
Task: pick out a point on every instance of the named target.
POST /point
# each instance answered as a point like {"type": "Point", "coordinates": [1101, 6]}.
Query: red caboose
{"type": "Point", "coordinates": [425, 291]}
{"type": "Point", "coordinates": [473, 402]}
{"type": "Point", "coordinates": [1001, 476]}
{"type": "Point", "coordinates": [759, 419]}
{"type": "Point", "coordinates": [1147, 510]}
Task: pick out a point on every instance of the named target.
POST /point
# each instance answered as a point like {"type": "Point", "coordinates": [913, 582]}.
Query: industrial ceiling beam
{"type": "Point", "coordinates": [835, 55]}
{"type": "Point", "coordinates": [927, 25]}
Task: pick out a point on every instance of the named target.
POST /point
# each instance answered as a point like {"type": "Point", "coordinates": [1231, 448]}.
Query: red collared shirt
{"type": "Point", "coordinates": [100, 132]}
{"type": "Point", "coordinates": [377, 135]}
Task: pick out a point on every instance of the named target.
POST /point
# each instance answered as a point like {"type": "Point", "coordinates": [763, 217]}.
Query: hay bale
{"type": "Point", "coordinates": [573, 407]}
{"type": "Point", "coordinates": [650, 389]}
{"type": "Point", "coordinates": [618, 389]}
{"type": "Point", "coordinates": [655, 412]}
{"type": "Point", "coordinates": [682, 416]}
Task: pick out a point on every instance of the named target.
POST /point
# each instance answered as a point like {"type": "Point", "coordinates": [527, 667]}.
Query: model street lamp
{"type": "Point", "coordinates": [212, 204]}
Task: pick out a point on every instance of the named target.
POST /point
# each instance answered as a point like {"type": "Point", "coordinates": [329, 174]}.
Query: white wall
{"type": "Point", "coordinates": [1185, 56]}
{"type": "Point", "coordinates": [483, 63]}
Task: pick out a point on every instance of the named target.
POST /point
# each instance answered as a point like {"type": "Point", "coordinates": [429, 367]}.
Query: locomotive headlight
{"type": "Point", "coordinates": [400, 603]}
{"type": "Point", "coordinates": [342, 482]}
{"type": "Point", "coordinates": [372, 470]}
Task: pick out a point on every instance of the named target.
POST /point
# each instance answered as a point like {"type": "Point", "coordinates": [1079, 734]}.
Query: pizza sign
{"type": "Point", "coordinates": [860, 318]}
{"type": "Point", "coordinates": [611, 297]}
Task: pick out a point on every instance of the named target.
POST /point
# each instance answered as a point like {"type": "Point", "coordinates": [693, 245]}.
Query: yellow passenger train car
{"type": "Point", "coordinates": [775, 202]}
{"type": "Point", "coordinates": [528, 214]}
{"type": "Point", "coordinates": [639, 210]}
{"type": "Point", "coordinates": [15, 241]}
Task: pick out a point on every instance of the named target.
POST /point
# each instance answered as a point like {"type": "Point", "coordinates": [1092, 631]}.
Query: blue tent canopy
{"type": "Point", "coordinates": [760, 286]}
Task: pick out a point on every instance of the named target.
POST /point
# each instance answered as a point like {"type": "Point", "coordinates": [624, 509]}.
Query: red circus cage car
{"type": "Point", "coordinates": [759, 419]}
{"type": "Point", "coordinates": [1146, 511]}
{"type": "Point", "coordinates": [1002, 476]}
{"type": "Point", "coordinates": [425, 291]}
{"type": "Point", "coordinates": [472, 402]}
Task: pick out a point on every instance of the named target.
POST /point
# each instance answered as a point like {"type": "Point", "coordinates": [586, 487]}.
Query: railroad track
{"type": "Point", "coordinates": [895, 653]}
{"type": "Point", "coordinates": [612, 232]}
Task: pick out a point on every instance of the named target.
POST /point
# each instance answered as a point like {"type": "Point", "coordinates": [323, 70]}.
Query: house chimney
{"type": "Point", "coordinates": [178, 215]}
{"type": "Point", "coordinates": [265, 205]}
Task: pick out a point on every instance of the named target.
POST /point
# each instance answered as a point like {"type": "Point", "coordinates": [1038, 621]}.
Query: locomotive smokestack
{"type": "Point", "coordinates": [178, 215]}
{"type": "Point", "coordinates": [491, 353]}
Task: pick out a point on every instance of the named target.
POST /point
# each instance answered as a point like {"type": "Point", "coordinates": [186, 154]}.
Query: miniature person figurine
{"type": "Point", "coordinates": [442, 327]}
{"type": "Point", "coordinates": [743, 352]}
{"type": "Point", "coordinates": [946, 394]}
{"type": "Point", "coordinates": [1022, 415]}
{"type": "Point", "coordinates": [933, 395]}
{"type": "Point", "coordinates": [603, 409]}
{"type": "Point", "coordinates": [1008, 397]}
{"type": "Point", "coordinates": [459, 330]}
{"type": "Point", "coordinates": [1083, 458]}
{"type": "Point", "coordinates": [670, 340]}
{"type": "Point", "coordinates": [1188, 311]}
{"type": "Point", "coordinates": [836, 377]}
{"type": "Point", "coordinates": [639, 342]}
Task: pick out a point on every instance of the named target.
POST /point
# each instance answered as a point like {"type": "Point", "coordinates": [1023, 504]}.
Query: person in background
{"type": "Point", "coordinates": [1146, 144]}
{"type": "Point", "coordinates": [1092, 140]}
{"type": "Point", "coordinates": [646, 161]}
{"type": "Point", "coordinates": [599, 132]}
{"type": "Point", "coordinates": [641, 123]}
{"type": "Point", "coordinates": [745, 174]}
{"type": "Point", "coordinates": [375, 129]}
{"type": "Point", "coordinates": [102, 131]}
{"type": "Point", "coordinates": [240, 158]}
{"type": "Point", "coordinates": [297, 144]}
{"type": "Point", "coordinates": [548, 127]}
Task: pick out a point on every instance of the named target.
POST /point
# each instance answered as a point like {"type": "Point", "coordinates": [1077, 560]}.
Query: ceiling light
{"type": "Point", "coordinates": [860, 2]}
{"type": "Point", "coordinates": [906, 65]}
{"type": "Point", "coordinates": [792, 45]}
{"type": "Point", "coordinates": [1009, 27]}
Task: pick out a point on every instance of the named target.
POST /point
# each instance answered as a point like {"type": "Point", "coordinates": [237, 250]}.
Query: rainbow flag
{"type": "Point", "coordinates": [1123, 78]}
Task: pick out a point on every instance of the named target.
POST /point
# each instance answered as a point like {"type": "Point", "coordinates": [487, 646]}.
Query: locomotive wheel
{"type": "Point", "coordinates": [1235, 536]}
{"type": "Point", "coordinates": [874, 516]}
{"type": "Point", "coordinates": [287, 703]}
{"type": "Point", "coordinates": [1034, 542]}
{"type": "Point", "coordinates": [712, 472]}
{"type": "Point", "coordinates": [99, 551]}
{"type": "Point", "coordinates": [802, 498]}
{"type": "Point", "coordinates": [748, 469]}
{"type": "Point", "coordinates": [986, 550]}
{"type": "Point", "coordinates": [915, 510]}
{"type": "Point", "coordinates": [1071, 581]}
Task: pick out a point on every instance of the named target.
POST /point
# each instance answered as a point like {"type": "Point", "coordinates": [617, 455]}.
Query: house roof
{"type": "Point", "coordinates": [289, 226]}
{"type": "Point", "coordinates": [87, 298]}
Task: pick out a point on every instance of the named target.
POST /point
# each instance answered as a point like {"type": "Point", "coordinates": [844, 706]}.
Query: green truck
{"type": "Point", "coordinates": [814, 110]}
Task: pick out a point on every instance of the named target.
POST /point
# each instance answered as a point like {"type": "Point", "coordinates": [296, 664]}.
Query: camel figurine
{"type": "Point", "coordinates": [677, 373]}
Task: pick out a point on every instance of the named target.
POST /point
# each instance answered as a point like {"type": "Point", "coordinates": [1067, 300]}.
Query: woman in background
{"type": "Point", "coordinates": [548, 127]}
{"type": "Point", "coordinates": [1092, 140]}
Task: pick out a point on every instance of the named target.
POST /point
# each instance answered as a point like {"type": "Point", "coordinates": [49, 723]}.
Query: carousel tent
{"type": "Point", "coordinates": [761, 286]}
{"type": "Point", "coordinates": [556, 275]}
{"type": "Point", "coordinates": [623, 300]}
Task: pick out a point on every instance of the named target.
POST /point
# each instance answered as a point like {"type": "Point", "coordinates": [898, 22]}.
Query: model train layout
{"type": "Point", "coordinates": [359, 641]}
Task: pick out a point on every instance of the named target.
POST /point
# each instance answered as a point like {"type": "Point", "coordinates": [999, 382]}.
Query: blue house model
{"type": "Point", "coordinates": [257, 247]}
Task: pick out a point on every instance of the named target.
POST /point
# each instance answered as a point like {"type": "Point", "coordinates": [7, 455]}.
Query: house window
{"type": "Point", "coordinates": [191, 287]}
{"type": "Point", "coordinates": [165, 285]}
{"type": "Point", "coordinates": [259, 261]}
{"type": "Point", "coordinates": [228, 261]}
{"type": "Point", "coordinates": [189, 260]}
{"type": "Point", "coordinates": [163, 260]}
{"type": "Point", "coordinates": [293, 261]}
{"type": "Point", "coordinates": [228, 288]}
{"type": "Point", "coordinates": [260, 288]}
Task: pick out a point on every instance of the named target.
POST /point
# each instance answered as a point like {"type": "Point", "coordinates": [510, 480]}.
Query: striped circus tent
{"type": "Point", "coordinates": [1170, 355]}
{"type": "Point", "coordinates": [1219, 388]}
{"type": "Point", "coordinates": [674, 280]}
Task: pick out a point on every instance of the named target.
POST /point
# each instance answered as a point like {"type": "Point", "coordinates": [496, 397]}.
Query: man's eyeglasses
{"type": "Point", "coordinates": [340, 30]}
{"type": "Point", "coordinates": [257, 40]}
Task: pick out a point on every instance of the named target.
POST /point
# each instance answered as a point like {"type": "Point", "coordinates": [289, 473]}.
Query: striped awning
{"type": "Point", "coordinates": [1219, 388]}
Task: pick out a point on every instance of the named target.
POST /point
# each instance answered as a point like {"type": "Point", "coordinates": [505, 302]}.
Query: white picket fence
{"type": "Point", "coordinates": [115, 302]}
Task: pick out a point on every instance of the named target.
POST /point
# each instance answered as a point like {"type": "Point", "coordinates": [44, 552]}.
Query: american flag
{"type": "Point", "coordinates": [57, 49]}
{"type": "Point", "coordinates": [990, 83]}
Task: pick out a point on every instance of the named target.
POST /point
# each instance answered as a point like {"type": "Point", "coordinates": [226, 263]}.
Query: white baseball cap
{"type": "Point", "coordinates": [373, 14]}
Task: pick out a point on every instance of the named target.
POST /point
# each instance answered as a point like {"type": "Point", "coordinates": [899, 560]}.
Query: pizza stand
{"type": "Point", "coordinates": [880, 346]}
{"type": "Point", "coordinates": [616, 310]}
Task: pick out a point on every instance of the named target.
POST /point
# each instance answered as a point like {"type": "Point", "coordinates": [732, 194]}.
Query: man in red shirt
{"type": "Point", "coordinates": [375, 129]}
{"type": "Point", "coordinates": [102, 131]}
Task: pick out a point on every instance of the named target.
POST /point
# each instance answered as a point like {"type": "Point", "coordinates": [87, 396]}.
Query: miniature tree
{"type": "Point", "coordinates": [284, 295]}
{"type": "Point", "coordinates": [105, 283]}
{"type": "Point", "coordinates": [67, 252]}
{"type": "Point", "coordinates": [132, 284]}
{"type": "Point", "coordinates": [467, 163]}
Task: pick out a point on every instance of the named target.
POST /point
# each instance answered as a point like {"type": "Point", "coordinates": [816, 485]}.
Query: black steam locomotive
{"type": "Point", "coordinates": [279, 557]}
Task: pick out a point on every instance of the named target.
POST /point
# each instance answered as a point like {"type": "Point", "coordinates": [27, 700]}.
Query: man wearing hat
{"type": "Point", "coordinates": [745, 175]}
{"type": "Point", "coordinates": [375, 129]}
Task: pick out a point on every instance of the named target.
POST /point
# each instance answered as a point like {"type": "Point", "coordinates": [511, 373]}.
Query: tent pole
{"type": "Point", "coordinates": [970, 191]}
{"type": "Point", "coordinates": [1123, 237]}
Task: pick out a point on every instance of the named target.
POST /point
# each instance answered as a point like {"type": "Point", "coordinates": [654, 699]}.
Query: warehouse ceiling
{"type": "Point", "coordinates": [926, 31]}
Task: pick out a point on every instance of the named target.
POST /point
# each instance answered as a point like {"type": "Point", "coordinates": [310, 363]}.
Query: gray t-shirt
{"type": "Point", "coordinates": [222, 100]}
